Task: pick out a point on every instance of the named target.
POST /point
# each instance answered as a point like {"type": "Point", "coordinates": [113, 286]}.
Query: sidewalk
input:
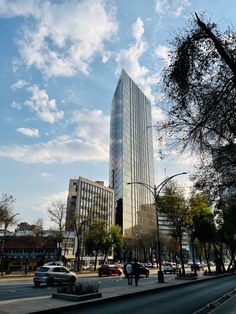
{"type": "Point", "coordinates": [47, 304]}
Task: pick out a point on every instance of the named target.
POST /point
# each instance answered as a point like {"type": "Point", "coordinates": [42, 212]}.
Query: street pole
{"type": "Point", "coordinates": [155, 191]}
{"type": "Point", "coordinates": [160, 273]}
{"type": "Point", "coordinates": [193, 255]}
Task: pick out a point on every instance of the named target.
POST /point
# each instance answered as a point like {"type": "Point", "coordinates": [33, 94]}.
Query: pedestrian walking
{"type": "Point", "coordinates": [136, 272]}
{"type": "Point", "coordinates": [129, 271]}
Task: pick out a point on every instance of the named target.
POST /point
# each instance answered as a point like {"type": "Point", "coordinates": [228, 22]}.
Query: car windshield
{"type": "Point", "coordinates": [43, 269]}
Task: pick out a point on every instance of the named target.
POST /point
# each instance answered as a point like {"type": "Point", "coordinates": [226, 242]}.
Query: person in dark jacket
{"type": "Point", "coordinates": [136, 272]}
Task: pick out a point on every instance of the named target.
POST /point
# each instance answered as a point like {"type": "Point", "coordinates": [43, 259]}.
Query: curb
{"type": "Point", "coordinates": [127, 295]}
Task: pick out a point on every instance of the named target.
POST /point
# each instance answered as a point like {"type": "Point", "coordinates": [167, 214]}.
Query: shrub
{"type": "Point", "coordinates": [79, 288]}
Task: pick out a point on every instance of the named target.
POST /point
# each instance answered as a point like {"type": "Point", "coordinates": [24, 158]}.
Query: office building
{"type": "Point", "coordinates": [89, 201]}
{"type": "Point", "coordinates": [131, 158]}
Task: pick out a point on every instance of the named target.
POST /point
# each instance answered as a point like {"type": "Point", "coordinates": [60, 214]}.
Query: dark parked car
{"type": "Point", "coordinates": [143, 270]}
{"type": "Point", "coordinates": [53, 274]}
{"type": "Point", "coordinates": [109, 270]}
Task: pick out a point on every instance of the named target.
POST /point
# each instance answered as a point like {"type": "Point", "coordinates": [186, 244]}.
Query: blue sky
{"type": "Point", "coordinates": [60, 62]}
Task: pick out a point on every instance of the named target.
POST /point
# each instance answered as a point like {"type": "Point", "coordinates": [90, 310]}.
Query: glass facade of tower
{"type": "Point", "coordinates": [131, 158]}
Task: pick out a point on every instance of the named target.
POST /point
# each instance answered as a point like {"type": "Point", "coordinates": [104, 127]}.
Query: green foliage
{"type": "Point", "coordinates": [95, 237]}
{"type": "Point", "coordinates": [174, 206]}
{"type": "Point", "coordinates": [199, 204]}
{"type": "Point", "coordinates": [101, 239]}
{"type": "Point", "coordinates": [203, 219]}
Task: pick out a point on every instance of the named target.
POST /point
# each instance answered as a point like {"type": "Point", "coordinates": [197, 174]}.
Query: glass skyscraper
{"type": "Point", "coordinates": [131, 158]}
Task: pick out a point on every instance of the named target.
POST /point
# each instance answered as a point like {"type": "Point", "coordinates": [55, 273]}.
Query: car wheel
{"type": "Point", "coordinates": [100, 275]}
{"type": "Point", "coordinates": [147, 275]}
{"type": "Point", "coordinates": [37, 284]}
{"type": "Point", "coordinates": [50, 282]}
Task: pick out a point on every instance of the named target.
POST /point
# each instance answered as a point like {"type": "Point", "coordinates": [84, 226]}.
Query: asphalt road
{"type": "Point", "coordinates": [178, 300]}
{"type": "Point", "coordinates": [20, 288]}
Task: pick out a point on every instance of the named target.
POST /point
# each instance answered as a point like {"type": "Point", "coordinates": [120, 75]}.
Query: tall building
{"type": "Point", "coordinates": [131, 158]}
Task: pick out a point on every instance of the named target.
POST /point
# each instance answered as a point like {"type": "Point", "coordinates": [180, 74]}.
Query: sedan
{"type": "Point", "coordinates": [170, 267]}
{"type": "Point", "coordinates": [53, 274]}
{"type": "Point", "coordinates": [109, 270]}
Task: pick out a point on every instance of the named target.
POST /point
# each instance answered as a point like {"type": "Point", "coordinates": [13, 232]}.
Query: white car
{"type": "Point", "coordinates": [53, 274]}
{"type": "Point", "coordinates": [170, 267]}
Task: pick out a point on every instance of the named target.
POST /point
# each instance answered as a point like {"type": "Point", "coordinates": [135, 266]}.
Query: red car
{"type": "Point", "coordinates": [109, 270]}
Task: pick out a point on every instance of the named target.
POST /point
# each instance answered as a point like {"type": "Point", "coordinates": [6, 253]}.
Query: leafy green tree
{"type": "Point", "coordinates": [99, 238]}
{"type": "Point", "coordinates": [203, 225]}
{"type": "Point", "coordinates": [179, 215]}
{"type": "Point", "coordinates": [113, 240]}
{"type": "Point", "coordinates": [95, 239]}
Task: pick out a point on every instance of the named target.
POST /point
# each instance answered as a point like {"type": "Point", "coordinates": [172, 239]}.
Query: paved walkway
{"type": "Point", "coordinates": [46, 303]}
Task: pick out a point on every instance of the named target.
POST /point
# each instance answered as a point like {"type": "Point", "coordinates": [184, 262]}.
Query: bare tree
{"type": "Point", "coordinates": [57, 212]}
{"type": "Point", "coordinates": [38, 227]}
{"type": "Point", "coordinates": [200, 83]}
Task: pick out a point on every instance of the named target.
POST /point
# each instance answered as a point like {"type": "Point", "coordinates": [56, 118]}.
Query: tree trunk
{"type": "Point", "coordinates": [207, 257]}
{"type": "Point", "coordinates": [95, 264]}
{"type": "Point", "coordinates": [181, 255]}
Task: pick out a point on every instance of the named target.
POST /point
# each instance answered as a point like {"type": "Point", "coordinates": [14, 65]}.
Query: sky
{"type": "Point", "coordinates": [60, 62]}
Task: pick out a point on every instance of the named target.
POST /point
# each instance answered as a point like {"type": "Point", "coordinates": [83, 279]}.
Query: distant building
{"type": "Point", "coordinates": [24, 229]}
{"type": "Point", "coordinates": [131, 157]}
{"type": "Point", "coordinates": [87, 201]}
{"type": "Point", "coordinates": [26, 253]}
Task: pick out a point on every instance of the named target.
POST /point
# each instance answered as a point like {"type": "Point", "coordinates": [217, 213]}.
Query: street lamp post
{"type": "Point", "coordinates": [155, 191]}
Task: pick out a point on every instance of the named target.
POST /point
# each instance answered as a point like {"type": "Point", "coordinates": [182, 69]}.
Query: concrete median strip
{"type": "Point", "coordinates": [216, 303]}
{"type": "Point", "coordinates": [78, 298]}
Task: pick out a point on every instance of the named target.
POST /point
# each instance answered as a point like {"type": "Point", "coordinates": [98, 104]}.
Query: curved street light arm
{"type": "Point", "coordinates": [163, 183]}
{"type": "Point", "coordinates": [149, 187]}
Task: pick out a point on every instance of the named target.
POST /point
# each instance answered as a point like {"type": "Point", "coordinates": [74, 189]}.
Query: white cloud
{"type": "Point", "coordinates": [171, 7]}
{"type": "Point", "coordinates": [45, 174]}
{"type": "Point", "coordinates": [162, 52]}
{"type": "Point", "coordinates": [18, 85]}
{"type": "Point", "coordinates": [157, 115]}
{"type": "Point", "coordinates": [89, 141]}
{"type": "Point", "coordinates": [62, 49]}
{"type": "Point", "coordinates": [129, 59]}
{"type": "Point", "coordinates": [45, 108]}
{"type": "Point", "coordinates": [29, 132]}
